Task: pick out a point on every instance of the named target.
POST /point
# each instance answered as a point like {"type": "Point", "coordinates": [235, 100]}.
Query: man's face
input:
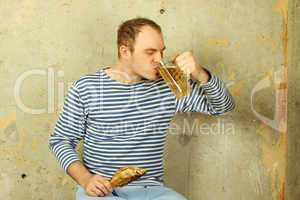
{"type": "Point", "coordinates": [148, 51]}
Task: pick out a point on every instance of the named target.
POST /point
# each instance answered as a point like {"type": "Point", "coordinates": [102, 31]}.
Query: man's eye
{"type": "Point", "coordinates": [150, 53]}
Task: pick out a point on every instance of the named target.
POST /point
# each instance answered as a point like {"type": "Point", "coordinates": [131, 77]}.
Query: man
{"type": "Point", "coordinates": [123, 112]}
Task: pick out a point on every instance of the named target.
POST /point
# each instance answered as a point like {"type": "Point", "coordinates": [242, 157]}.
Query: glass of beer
{"type": "Point", "coordinates": [175, 78]}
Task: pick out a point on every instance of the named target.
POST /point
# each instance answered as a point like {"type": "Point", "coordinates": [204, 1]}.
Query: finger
{"type": "Point", "coordinates": [101, 187]}
{"type": "Point", "coordinates": [105, 183]}
{"type": "Point", "coordinates": [188, 76]}
{"type": "Point", "coordinates": [185, 54]}
{"type": "Point", "coordinates": [184, 60]}
{"type": "Point", "coordinates": [108, 186]}
{"type": "Point", "coordinates": [98, 191]}
{"type": "Point", "coordinates": [178, 58]}
{"type": "Point", "coordinates": [90, 192]}
{"type": "Point", "coordinates": [183, 64]}
{"type": "Point", "coordinates": [175, 57]}
{"type": "Point", "coordinates": [186, 70]}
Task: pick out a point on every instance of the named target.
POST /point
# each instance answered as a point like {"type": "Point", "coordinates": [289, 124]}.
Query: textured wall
{"type": "Point", "coordinates": [45, 45]}
{"type": "Point", "coordinates": [293, 178]}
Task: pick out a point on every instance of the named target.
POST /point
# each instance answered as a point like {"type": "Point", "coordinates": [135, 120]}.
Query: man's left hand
{"type": "Point", "coordinates": [187, 63]}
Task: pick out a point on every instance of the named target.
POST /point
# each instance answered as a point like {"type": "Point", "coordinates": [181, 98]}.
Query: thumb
{"type": "Point", "coordinates": [174, 57]}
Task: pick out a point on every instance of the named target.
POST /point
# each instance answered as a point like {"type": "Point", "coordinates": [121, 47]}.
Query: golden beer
{"type": "Point", "coordinates": [175, 79]}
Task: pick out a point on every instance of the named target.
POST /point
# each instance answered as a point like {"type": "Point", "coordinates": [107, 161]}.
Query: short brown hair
{"type": "Point", "coordinates": [128, 31]}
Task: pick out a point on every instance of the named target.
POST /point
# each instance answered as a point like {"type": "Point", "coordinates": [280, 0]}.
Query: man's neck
{"type": "Point", "coordinates": [123, 73]}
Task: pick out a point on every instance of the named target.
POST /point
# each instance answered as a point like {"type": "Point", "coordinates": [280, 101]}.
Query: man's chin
{"type": "Point", "coordinates": [154, 78]}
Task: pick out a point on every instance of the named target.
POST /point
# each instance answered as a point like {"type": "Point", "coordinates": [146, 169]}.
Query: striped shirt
{"type": "Point", "coordinates": [126, 124]}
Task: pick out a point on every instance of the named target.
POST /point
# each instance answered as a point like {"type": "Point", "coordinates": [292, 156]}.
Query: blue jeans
{"type": "Point", "coordinates": [135, 193]}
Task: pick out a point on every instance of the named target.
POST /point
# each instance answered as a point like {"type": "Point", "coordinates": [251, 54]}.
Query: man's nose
{"type": "Point", "coordinates": [158, 57]}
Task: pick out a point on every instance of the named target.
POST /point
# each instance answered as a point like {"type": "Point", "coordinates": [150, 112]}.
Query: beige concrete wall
{"type": "Point", "coordinates": [293, 173]}
{"type": "Point", "coordinates": [45, 45]}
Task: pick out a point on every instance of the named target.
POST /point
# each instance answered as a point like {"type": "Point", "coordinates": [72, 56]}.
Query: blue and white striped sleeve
{"type": "Point", "coordinates": [211, 98]}
{"type": "Point", "coordinates": [69, 129]}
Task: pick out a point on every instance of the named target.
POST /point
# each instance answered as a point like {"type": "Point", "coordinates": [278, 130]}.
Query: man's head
{"type": "Point", "coordinates": [141, 46]}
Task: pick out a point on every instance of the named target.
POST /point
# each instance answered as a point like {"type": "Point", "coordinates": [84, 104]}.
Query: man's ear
{"type": "Point", "coordinates": [124, 52]}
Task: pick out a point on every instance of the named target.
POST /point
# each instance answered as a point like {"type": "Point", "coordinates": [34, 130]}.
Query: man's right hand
{"type": "Point", "coordinates": [96, 185]}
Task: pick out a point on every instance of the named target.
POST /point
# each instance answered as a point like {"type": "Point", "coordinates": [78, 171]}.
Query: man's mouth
{"type": "Point", "coordinates": [157, 74]}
